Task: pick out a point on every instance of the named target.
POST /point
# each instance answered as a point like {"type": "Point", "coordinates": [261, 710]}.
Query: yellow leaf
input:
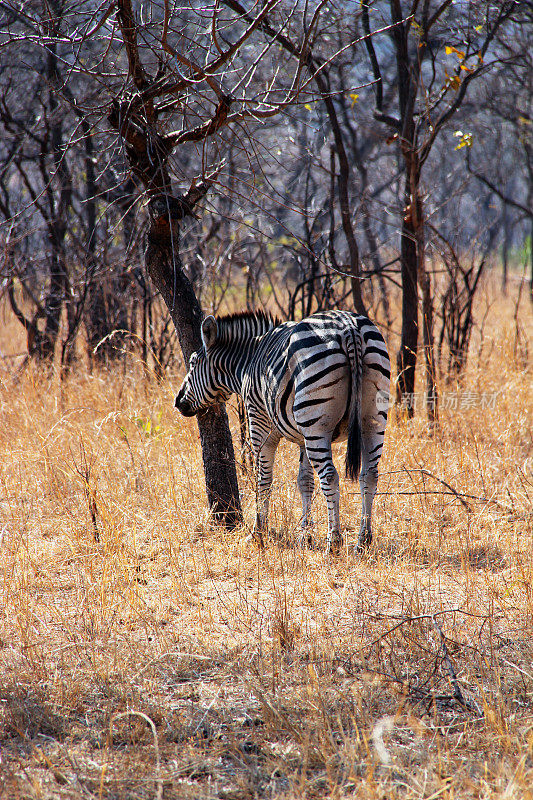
{"type": "Point", "coordinates": [354, 98]}
{"type": "Point", "coordinates": [453, 81]}
{"type": "Point", "coordinates": [466, 140]}
{"type": "Point", "coordinates": [449, 49]}
{"type": "Point", "coordinates": [308, 107]}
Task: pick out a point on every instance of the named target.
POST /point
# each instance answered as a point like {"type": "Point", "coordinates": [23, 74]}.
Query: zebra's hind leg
{"type": "Point", "coordinates": [368, 481]}
{"type": "Point", "coordinates": [319, 454]}
{"type": "Point", "coordinates": [372, 445]}
{"type": "Point", "coordinates": [306, 486]}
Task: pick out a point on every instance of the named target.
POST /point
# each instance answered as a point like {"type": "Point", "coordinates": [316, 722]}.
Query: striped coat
{"type": "Point", "coordinates": [314, 382]}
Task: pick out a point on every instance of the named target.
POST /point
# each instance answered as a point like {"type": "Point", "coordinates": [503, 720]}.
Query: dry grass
{"type": "Point", "coordinates": [171, 659]}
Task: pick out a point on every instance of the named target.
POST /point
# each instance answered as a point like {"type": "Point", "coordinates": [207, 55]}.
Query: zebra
{"type": "Point", "coordinates": [313, 382]}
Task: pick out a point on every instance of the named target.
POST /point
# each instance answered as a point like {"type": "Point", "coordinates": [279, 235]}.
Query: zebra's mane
{"type": "Point", "coordinates": [245, 325]}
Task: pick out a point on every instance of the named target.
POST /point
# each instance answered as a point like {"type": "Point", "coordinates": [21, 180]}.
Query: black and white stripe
{"type": "Point", "coordinates": [314, 382]}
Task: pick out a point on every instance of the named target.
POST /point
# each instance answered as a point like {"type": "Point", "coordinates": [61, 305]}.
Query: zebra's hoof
{"type": "Point", "coordinates": [305, 540]}
{"type": "Point", "coordinates": [258, 539]}
{"type": "Point", "coordinates": [363, 543]}
{"type": "Point", "coordinates": [334, 546]}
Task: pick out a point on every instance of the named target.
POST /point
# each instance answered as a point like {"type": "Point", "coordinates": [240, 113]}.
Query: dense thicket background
{"type": "Point", "coordinates": [317, 115]}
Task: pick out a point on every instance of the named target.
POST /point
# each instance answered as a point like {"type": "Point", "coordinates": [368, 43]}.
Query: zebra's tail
{"type": "Point", "coordinates": [353, 452]}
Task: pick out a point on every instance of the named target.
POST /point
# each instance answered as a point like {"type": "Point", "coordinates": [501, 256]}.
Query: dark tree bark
{"type": "Point", "coordinates": [414, 279]}
{"type": "Point", "coordinates": [165, 269]}
{"type": "Point", "coordinates": [406, 358]}
{"type": "Point", "coordinates": [58, 204]}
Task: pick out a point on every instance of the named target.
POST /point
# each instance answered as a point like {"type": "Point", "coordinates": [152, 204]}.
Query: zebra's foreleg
{"type": "Point", "coordinates": [265, 470]}
{"type": "Point", "coordinates": [306, 486]}
{"type": "Point", "coordinates": [319, 454]}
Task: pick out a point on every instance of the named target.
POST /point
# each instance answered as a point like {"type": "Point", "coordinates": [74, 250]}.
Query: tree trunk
{"type": "Point", "coordinates": [406, 359]}
{"type": "Point", "coordinates": [148, 155]}
{"type": "Point", "coordinates": [164, 266]}
{"type": "Point", "coordinates": [414, 275]}
{"type": "Point", "coordinates": [530, 201]}
{"type": "Point", "coordinates": [506, 245]}
{"type": "Point", "coordinates": [424, 280]}
{"type": "Point", "coordinates": [59, 198]}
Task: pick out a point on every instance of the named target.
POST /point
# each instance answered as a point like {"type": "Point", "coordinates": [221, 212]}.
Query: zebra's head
{"type": "Point", "coordinates": [203, 384]}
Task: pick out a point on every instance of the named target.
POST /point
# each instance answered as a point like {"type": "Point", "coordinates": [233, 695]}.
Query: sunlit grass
{"type": "Point", "coordinates": [274, 674]}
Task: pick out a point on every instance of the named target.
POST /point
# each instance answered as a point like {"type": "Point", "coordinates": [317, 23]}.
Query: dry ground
{"type": "Point", "coordinates": [171, 659]}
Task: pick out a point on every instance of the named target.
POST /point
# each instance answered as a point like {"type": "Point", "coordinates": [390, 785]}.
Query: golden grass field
{"type": "Point", "coordinates": [171, 659]}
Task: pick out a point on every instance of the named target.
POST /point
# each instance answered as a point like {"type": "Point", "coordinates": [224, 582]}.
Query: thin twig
{"type": "Point", "coordinates": [402, 620]}
{"type": "Point", "coordinates": [447, 485]}
{"type": "Point", "coordinates": [457, 692]}
{"type": "Point", "coordinates": [461, 496]}
{"type": "Point", "coordinates": [146, 718]}
{"type": "Point", "coordinates": [178, 653]}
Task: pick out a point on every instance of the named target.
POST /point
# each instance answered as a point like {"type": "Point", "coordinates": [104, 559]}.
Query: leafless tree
{"type": "Point", "coordinates": [437, 59]}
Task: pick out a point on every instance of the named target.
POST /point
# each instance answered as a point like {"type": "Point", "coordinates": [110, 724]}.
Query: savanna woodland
{"type": "Point", "coordinates": [161, 161]}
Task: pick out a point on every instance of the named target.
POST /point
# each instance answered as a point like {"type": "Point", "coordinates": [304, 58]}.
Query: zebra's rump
{"type": "Point", "coordinates": [304, 372]}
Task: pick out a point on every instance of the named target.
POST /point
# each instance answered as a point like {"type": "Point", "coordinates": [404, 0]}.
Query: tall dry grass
{"type": "Point", "coordinates": [145, 653]}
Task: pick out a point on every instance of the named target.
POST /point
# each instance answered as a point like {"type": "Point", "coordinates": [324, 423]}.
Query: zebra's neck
{"type": "Point", "coordinates": [238, 337]}
{"type": "Point", "coordinates": [244, 325]}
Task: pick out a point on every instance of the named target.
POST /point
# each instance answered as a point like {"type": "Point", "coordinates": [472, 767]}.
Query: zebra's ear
{"type": "Point", "coordinates": [209, 332]}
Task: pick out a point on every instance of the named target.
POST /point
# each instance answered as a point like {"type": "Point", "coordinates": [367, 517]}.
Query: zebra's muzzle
{"type": "Point", "coordinates": [184, 407]}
